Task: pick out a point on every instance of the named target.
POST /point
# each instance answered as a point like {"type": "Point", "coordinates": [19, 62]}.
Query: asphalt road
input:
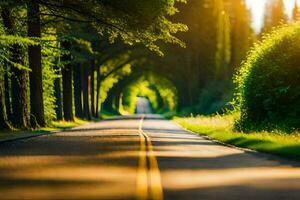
{"type": "Point", "coordinates": [143, 106]}
{"type": "Point", "coordinates": [140, 157]}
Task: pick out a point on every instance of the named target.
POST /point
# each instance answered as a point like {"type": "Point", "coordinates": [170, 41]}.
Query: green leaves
{"type": "Point", "coordinates": [134, 21]}
{"type": "Point", "coordinates": [268, 83]}
{"type": "Point", "coordinates": [8, 40]}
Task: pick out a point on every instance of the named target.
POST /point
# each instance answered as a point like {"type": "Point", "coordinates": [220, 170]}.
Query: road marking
{"type": "Point", "coordinates": [148, 178]}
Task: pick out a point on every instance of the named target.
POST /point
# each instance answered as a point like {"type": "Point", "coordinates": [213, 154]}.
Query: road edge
{"type": "Point", "coordinates": [268, 156]}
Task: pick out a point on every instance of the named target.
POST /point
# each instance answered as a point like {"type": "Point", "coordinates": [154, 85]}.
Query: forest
{"type": "Point", "coordinates": [67, 60]}
{"type": "Point", "coordinates": [150, 99]}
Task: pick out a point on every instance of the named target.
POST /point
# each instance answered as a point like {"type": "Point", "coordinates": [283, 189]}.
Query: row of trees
{"type": "Point", "coordinates": [58, 60]}
{"type": "Point", "coordinates": [275, 15]}
{"type": "Point", "coordinates": [220, 35]}
{"type": "Point", "coordinates": [55, 51]}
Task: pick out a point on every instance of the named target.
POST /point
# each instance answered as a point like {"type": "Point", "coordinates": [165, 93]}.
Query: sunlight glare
{"type": "Point", "coordinates": [257, 8]}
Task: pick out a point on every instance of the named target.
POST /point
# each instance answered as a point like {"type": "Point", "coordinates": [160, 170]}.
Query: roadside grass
{"type": "Point", "coordinates": [109, 114]}
{"type": "Point", "coordinates": [53, 126]}
{"type": "Point", "coordinates": [169, 114]}
{"type": "Point", "coordinates": [221, 128]}
{"type": "Point", "coordinates": [60, 125]}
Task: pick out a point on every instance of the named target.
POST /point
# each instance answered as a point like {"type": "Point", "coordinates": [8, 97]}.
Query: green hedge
{"type": "Point", "coordinates": [268, 83]}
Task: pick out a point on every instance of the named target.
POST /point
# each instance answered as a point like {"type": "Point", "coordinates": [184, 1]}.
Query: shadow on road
{"type": "Point", "coordinates": [99, 161]}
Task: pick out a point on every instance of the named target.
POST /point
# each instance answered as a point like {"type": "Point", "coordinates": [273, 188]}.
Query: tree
{"type": "Point", "coordinates": [296, 12]}
{"type": "Point", "coordinates": [57, 94]}
{"type": "Point", "coordinates": [7, 89]}
{"type": "Point", "coordinates": [67, 82]}
{"type": "Point", "coordinates": [241, 32]}
{"type": "Point", "coordinates": [92, 87]}
{"type": "Point", "coordinates": [275, 15]}
{"type": "Point", "coordinates": [77, 84]}
{"type": "Point", "coordinates": [86, 91]}
{"type": "Point", "coordinates": [137, 22]}
{"type": "Point", "coordinates": [19, 83]}
{"type": "Point", "coordinates": [4, 124]}
{"type": "Point", "coordinates": [35, 64]}
{"type": "Point", "coordinates": [223, 49]}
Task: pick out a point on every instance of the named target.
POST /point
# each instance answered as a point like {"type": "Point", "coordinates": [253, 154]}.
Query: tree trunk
{"type": "Point", "coordinates": [19, 89]}
{"type": "Point", "coordinates": [35, 64]}
{"type": "Point", "coordinates": [118, 102]}
{"type": "Point", "coordinates": [98, 92]}
{"type": "Point", "coordinates": [67, 84]}
{"type": "Point", "coordinates": [57, 94]}
{"type": "Point", "coordinates": [77, 90]}
{"type": "Point", "coordinates": [3, 117]}
{"type": "Point", "coordinates": [85, 92]}
{"type": "Point", "coordinates": [108, 103]}
{"type": "Point", "coordinates": [7, 93]}
{"type": "Point", "coordinates": [19, 95]}
{"type": "Point", "coordinates": [92, 87]}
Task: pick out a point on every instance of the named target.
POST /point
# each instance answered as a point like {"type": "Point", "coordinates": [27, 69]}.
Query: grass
{"type": "Point", "coordinates": [108, 114]}
{"type": "Point", "coordinates": [54, 126]}
{"type": "Point", "coordinates": [58, 125]}
{"type": "Point", "coordinates": [221, 128]}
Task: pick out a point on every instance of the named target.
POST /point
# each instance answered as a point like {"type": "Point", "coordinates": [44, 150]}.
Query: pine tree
{"type": "Point", "coordinates": [223, 43]}
{"type": "Point", "coordinates": [296, 12]}
{"type": "Point", "coordinates": [275, 15]}
{"type": "Point", "coordinates": [241, 32]}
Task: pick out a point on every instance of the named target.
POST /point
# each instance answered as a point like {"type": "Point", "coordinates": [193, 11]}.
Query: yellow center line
{"type": "Point", "coordinates": [142, 179]}
{"type": "Point", "coordinates": [148, 178]}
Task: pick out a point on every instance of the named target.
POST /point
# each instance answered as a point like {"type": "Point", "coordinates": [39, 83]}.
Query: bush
{"type": "Point", "coordinates": [268, 83]}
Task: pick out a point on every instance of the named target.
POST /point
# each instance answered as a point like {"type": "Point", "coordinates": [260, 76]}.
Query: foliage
{"type": "Point", "coordinates": [50, 53]}
{"type": "Point", "coordinates": [268, 84]}
{"type": "Point", "coordinates": [112, 79]}
{"type": "Point", "coordinates": [160, 92]}
{"type": "Point", "coordinates": [6, 41]}
{"type": "Point", "coordinates": [166, 90]}
{"type": "Point", "coordinates": [218, 38]}
{"type": "Point", "coordinates": [131, 20]}
{"type": "Point", "coordinates": [140, 88]}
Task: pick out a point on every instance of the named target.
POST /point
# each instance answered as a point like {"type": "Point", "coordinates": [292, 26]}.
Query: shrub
{"type": "Point", "coordinates": [268, 83]}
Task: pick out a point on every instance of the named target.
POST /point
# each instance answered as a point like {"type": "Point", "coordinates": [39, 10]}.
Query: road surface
{"type": "Point", "coordinates": [140, 157]}
{"type": "Point", "coordinates": [143, 106]}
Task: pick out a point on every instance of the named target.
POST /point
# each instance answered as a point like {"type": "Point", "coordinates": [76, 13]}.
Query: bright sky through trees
{"type": "Point", "coordinates": [258, 7]}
